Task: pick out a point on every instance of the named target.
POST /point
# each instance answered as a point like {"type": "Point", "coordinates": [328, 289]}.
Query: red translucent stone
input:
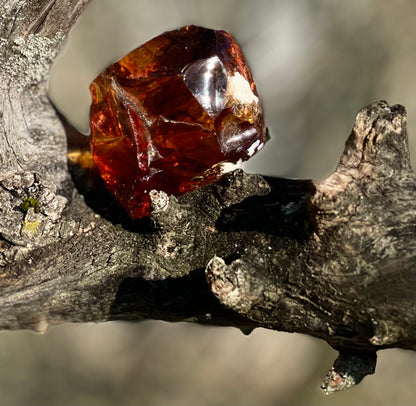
{"type": "Point", "coordinates": [170, 113]}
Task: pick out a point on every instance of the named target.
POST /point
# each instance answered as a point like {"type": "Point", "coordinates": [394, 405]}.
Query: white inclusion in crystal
{"type": "Point", "coordinates": [239, 90]}
{"type": "Point", "coordinates": [227, 167]}
{"type": "Point", "coordinates": [253, 148]}
{"type": "Point", "coordinates": [207, 81]}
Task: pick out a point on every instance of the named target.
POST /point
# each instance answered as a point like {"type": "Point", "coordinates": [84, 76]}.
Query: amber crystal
{"type": "Point", "coordinates": [171, 112]}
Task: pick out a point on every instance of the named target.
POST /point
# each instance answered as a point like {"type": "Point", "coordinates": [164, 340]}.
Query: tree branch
{"type": "Point", "coordinates": [335, 260]}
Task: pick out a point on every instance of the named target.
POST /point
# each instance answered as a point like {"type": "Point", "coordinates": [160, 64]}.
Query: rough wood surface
{"type": "Point", "coordinates": [335, 260]}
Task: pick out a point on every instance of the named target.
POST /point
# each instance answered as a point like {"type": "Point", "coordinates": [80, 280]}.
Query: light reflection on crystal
{"type": "Point", "coordinates": [207, 81]}
{"type": "Point", "coordinates": [230, 141]}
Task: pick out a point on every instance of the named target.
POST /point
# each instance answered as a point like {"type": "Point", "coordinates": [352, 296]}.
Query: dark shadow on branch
{"type": "Point", "coordinates": [174, 299]}
{"type": "Point", "coordinates": [284, 212]}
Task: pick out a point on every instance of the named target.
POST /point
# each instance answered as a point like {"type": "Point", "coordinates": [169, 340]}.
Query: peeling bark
{"type": "Point", "coordinates": [335, 260]}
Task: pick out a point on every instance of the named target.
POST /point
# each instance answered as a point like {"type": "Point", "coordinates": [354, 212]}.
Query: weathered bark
{"type": "Point", "coordinates": [335, 260]}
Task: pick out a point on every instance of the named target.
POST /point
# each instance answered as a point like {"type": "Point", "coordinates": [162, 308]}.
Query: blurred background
{"type": "Point", "coordinates": [315, 65]}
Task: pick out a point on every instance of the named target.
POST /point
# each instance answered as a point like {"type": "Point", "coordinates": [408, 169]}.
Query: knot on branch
{"type": "Point", "coordinates": [244, 287]}
{"type": "Point", "coordinates": [349, 369]}
{"type": "Point", "coordinates": [232, 284]}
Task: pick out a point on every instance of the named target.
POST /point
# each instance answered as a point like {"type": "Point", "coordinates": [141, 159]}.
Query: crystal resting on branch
{"type": "Point", "coordinates": [171, 113]}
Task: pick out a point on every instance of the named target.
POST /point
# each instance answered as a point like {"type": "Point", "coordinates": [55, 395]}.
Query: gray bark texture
{"type": "Point", "coordinates": [335, 260]}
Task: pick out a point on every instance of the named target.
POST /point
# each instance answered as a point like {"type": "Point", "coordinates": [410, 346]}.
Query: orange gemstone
{"type": "Point", "coordinates": [167, 114]}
